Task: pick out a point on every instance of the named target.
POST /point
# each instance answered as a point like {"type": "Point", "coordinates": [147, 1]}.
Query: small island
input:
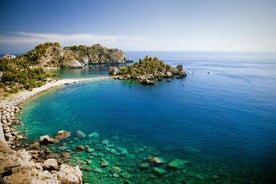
{"type": "Point", "coordinates": [147, 71]}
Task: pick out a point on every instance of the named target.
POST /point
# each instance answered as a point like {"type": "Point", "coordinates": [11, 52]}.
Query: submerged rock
{"type": "Point", "coordinates": [144, 166]}
{"type": "Point", "coordinates": [94, 135]}
{"type": "Point", "coordinates": [80, 134]}
{"type": "Point", "coordinates": [105, 142]}
{"type": "Point", "coordinates": [123, 151]}
{"type": "Point", "coordinates": [104, 163]}
{"type": "Point", "coordinates": [115, 169]}
{"type": "Point", "coordinates": [177, 164]}
{"type": "Point", "coordinates": [80, 148]}
{"type": "Point", "coordinates": [98, 170]}
{"type": "Point", "coordinates": [156, 161]}
{"type": "Point", "coordinates": [66, 154]}
{"type": "Point", "coordinates": [158, 171]}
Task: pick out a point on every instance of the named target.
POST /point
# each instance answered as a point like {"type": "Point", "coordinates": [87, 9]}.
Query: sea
{"type": "Point", "coordinates": [217, 125]}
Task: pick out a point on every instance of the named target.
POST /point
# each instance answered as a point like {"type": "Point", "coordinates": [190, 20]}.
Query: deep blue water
{"type": "Point", "coordinates": [221, 117]}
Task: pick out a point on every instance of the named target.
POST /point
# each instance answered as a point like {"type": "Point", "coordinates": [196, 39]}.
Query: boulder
{"type": "Point", "coordinates": [50, 164]}
{"type": "Point", "coordinates": [156, 161]}
{"type": "Point", "coordinates": [70, 175]}
{"type": "Point", "coordinates": [182, 73]}
{"type": "Point", "coordinates": [80, 148]}
{"type": "Point", "coordinates": [158, 171]}
{"type": "Point", "coordinates": [46, 139]}
{"type": "Point", "coordinates": [177, 164]}
{"type": "Point", "coordinates": [115, 169]}
{"type": "Point", "coordinates": [179, 67]}
{"type": "Point", "coordinates": [146, 81]}
{"type": "Point", "coordinates": [66, 155]}
{"type": "Point", "coordinates": [62, 134]}
{"type": "Point", "coordinates": [93, 135]}
{"type": "Point", "coordinates": [105, 142]}
{"type": "Point", "coordinates": [144, 166]}
{"type": "Point", "coordinates": [80, 134]}
{"type": "Point", "coordinates": [34, 145]}
{"type": "Point", "coordinates": [104, 163]}
{"type": "Point", "coordinates": [174, 70]}
{"type": "Point", "coordinates": [169, 74]}
{"type": "Point", "coordinates": [113, 70]}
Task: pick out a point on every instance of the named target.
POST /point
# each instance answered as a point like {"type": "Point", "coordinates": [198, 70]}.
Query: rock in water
{"type": "Point", "coordinates": [158, 171]}
{"type": "Point", "coordinates": [115, 169]}
{"type": "Point", "coordinates": [46, 139]}
{"type": "Point", "coordinates": [80, 148]}
{"type": "Point", "coordinates": [144, 166]}
{"type": "Point", "coordinates": [156, 161]}
{"type": "Point", "coordinates": [62, 134]}
{"type": "Point", "coordinates": [113, 70]}
{"type": "Point", "coordinates": [104, 163]}
{"type": "Point", "coordinates": [66, 155]}
{"type": "Point", "coordinates": [94, 135]}
{"type": "Point", "coordinates": [80, 134]}
{"type": "Point", "coordinates": [177, 164]}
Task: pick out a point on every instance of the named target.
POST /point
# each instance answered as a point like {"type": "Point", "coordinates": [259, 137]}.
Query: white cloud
{"type": "Point", "coordinates": [21, 38]}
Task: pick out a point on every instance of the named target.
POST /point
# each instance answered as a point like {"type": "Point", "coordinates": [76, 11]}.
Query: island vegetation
{"type": "Point", "coordinates": [147, 71]}
{"type": "Point", "coordinates": [29, 70]}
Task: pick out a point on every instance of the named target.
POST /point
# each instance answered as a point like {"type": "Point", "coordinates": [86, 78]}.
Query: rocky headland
{"type": "Point", "coordinates": [30, 70]}
{"type": "Point", "coordinates": [52, 55]}
{"type": "Point", "coordinates": [147, 71]}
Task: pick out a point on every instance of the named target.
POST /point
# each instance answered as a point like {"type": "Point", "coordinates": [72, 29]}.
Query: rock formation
{"type": "Point", "coordinates": [22, 167]}
{"type": "Point", "coordinates": [148, 71]}
{"type": "Point", "coordinates": [53, 56]}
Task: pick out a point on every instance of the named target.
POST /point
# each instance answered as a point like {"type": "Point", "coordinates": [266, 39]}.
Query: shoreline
{"type": "Point", "coordinates": [11, 102]}
{"type": "Point", "coordinates": [29, 167]}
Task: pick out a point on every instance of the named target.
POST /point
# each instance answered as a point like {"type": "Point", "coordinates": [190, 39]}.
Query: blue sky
{"type": "Point", "coordinates": [146, 25]}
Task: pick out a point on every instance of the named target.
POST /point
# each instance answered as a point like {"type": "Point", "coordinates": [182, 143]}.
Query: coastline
{"type": "Point", "coordinates": [25, 162]}
{"type": "Point", "coordinates": [18, 98]}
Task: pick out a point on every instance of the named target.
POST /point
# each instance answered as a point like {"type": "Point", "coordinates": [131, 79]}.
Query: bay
{"type": "Point", "coordinates": [220, 118]}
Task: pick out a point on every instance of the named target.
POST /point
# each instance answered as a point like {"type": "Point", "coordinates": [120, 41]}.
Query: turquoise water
{"type": "Point", "coordinates": [220, 119]}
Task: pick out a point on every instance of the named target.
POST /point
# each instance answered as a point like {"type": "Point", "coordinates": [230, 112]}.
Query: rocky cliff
{"type": "Point", "coordinates": [52, 55]}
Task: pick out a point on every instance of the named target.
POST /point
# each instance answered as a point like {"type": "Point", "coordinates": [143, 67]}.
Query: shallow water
{"type": "Point", "coordinates": [220, 118]}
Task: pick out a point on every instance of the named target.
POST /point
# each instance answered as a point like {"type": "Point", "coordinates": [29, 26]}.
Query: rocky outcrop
{"type": "Point", "coordinates": [46, 139]}
{"type": "Point", "coordinates": [113, 70]}
{"type": "Point", "coordinates": [97, 54]}
{"type": "Point", "coordinates": [21, 167]}
{"type": "Point", "coordinates": [53, 56]}
{"type": "Point", "coordinates": [148, 71]}
{"type": "Point", "coordinates": [70, 175]}
{"type": "Point", "coordinates": [62, 134]}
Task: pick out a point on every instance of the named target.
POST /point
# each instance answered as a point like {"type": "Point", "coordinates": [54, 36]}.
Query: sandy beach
{"type": "Point", "coordinates": [15, 99]}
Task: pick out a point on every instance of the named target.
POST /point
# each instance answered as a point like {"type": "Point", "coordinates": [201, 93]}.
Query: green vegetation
{"type": "Point", "coordinates": [96, 53]}
{"type": "Point", "coordinates": [34, 56]}
{"type": "Point", "coordinates": [26, 71]}
{"type": "Point", "coordinates": [18, 74]}
{"type": "Point", "coordinates": [147, 71]}
{"type": "Point", "coordinates": [148, 65]}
